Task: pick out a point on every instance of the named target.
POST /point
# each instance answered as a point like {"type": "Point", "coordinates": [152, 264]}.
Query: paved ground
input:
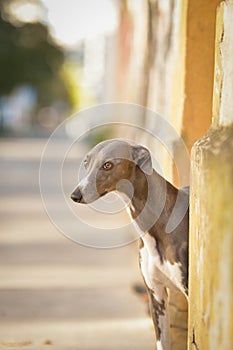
{"type": "Point", "coordinates": [54, 293]}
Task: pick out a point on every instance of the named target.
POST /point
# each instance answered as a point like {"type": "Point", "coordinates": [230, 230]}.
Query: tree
{"type": "Point", "coordinates": [29, 56]}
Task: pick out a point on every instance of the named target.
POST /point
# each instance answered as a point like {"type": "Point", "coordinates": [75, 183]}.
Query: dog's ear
{"type": "Point", "coordinates": [141, 156]}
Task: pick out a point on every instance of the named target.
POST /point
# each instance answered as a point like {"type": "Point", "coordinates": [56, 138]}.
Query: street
{"type": "Point", "coordinates": [55, 293]}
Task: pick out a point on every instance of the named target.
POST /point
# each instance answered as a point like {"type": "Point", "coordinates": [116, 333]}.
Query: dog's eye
{"type": "Point", "coordinates": [108, 166]}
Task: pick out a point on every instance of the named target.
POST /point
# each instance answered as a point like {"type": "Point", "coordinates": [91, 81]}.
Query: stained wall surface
{"type": "Point", "coordinates": [176, 59]}
{"type": "Point", "coordinates": [211, 227]}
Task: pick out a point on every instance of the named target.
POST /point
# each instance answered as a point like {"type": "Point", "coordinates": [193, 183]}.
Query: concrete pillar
{"type": "Point", "coordinates": [211, 208]}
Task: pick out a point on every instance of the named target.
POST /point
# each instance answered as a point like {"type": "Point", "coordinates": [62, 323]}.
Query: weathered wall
{"type": "Point", "coordinates": [167, 59]}
{"type": "Point", "coordinates": [149, 49]}
{"type": "Point", "coordinates": [166, 62]}
{"type": "Point", "coordinates": [132, 52]}
{"type": "Point", "coordinates": [191, 108]}
{"type": "Point", "coordinates": [211, 212]}
{"type": "Point", "coordinates": [199, 64]}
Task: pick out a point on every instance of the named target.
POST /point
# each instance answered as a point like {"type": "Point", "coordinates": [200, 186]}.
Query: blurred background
{"type": "Point", "coordinates": [56, 58]}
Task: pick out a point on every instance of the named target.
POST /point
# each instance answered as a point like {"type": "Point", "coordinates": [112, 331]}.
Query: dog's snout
{"type": "Point", "coordinates": [76, 196]}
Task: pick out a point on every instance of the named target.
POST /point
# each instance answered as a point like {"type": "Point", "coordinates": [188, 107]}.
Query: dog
{"type": "Point", "coordinates": [155, 204]}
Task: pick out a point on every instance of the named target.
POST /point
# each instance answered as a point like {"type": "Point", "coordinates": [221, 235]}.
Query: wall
{"type": "Point", "coordinates": [149, 45]}
{"type": "Point", "coordinates": [166, 62]}
{"type": "Point", "coordinates": [172, 66]}
{"type": "Point", "coordinates": [211, 229]}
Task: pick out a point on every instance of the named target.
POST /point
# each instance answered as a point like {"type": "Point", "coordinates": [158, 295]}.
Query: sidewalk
{"type": "Point", "coordinates": [54, 293]}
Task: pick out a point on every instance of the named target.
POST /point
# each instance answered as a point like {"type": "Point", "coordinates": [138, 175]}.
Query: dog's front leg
{"type": "Point", "coordinates": [159, 312]}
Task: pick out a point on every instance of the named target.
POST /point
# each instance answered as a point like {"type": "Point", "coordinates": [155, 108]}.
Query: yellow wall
{"type": "Point", "coordinates": [199, 68]}
{"type": "Point", "coordinates": [192, 89]}
{"type": "Point", "coordinates": [188, 80]}
{"type": "Point", "coordinates": [211, 209]}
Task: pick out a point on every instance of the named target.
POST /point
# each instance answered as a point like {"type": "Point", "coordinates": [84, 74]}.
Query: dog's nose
{"type": "Point", "coordinates": [76, 196]}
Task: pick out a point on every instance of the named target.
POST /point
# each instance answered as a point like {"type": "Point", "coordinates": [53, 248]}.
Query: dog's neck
{"type": "Point", "coordinates": [152, 201]}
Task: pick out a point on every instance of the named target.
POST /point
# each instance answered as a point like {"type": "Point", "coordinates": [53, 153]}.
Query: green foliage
{"type": "Point", "coordinates": [98, 135]}
{"type": "Point", "coordinates": [28, 56]}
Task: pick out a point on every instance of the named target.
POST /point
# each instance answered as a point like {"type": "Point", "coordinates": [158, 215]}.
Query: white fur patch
{"type": "Point", "coordinates": [159, 345]}
{"type": "Point", "coordinates": [84, 182]}
{"type": "Point", "coordinates": [137, 228]}
{"type": "Point", "coordinates": [150, 263]}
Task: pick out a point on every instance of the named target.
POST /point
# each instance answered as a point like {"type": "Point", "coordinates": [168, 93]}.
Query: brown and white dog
{"type": "Point", "coordinates": [159, 211]}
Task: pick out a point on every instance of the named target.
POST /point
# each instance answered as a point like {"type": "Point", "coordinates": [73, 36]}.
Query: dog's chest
{"type": "Point", "coordinates": [156, 271]}
{"type": "Point", "coordinates": [153, 269]}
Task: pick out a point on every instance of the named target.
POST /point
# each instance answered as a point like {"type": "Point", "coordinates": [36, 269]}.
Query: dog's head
{"type": "Point", "coordinates": [107, 164]}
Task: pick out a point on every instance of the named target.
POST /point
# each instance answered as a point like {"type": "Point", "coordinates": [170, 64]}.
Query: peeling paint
{"type": "Point", "coordinates": [194, 341]}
